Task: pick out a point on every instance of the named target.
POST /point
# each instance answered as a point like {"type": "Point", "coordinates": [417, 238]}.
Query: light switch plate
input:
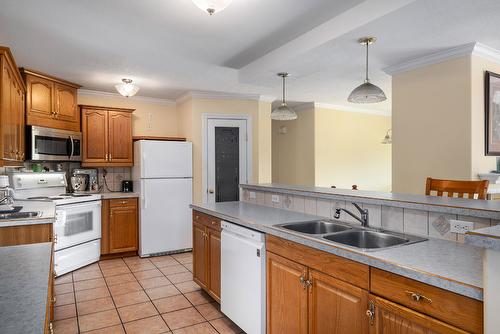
{"type": "Point", "coordinates": [252, 195]}
{"type": "Point", "coordinates": [275, 198]}
{"type": "Point", "coordinates": [460, 226]}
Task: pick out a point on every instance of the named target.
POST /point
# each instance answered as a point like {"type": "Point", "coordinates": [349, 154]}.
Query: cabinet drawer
{"type": "Point", "coordinates": [457, 310]}
{"type": "Point", "coordinates": [346, 270]}
{"type": "Point", "coordinates": [118, 202]}
{"type": "Point", "coordinates": [207, 220]}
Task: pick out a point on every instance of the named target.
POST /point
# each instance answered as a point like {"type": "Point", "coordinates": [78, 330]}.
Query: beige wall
{"type": "Point", "coordinates": [480, 162]}
{"type": "Point", "coordinates": [293, 152]}
{"type": "Point", "coordinates": [431, 125]}
{"type": "Point", "coordinates": [163, 114]}
{"type": "Point", "coordinates": [438, 123]}
{"type": "Point", "coordinates": [348, 150]}
{"type": "Point", "coordinates": [190, 116]}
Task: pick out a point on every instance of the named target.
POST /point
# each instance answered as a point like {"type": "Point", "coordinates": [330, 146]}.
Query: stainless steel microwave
{"type": "Point", "coordinates": [53, 144]}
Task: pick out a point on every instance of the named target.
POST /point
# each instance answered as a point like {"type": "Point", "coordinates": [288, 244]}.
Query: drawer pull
{"type": "Point", "coordinates": [197, 217]}
{"type": "Point", "coordinates": [54, 299]}
{"type": "Point", "coordinates": [370, 313]}
{"type": "Point", "coordinates": [213, 222]}
{"type": "Point", "coordinates": [123, 202]}
{"type": "Point", "coordinates": [305, 283]}
{"type": "Point", "coordinates": [418, 297]}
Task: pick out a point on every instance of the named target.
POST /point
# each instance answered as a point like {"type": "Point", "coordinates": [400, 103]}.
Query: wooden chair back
{"type": "Point", "coordinates": [460, 188]}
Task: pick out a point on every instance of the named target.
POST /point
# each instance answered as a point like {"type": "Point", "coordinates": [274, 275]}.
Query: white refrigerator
{"type": "Point", "coordinates": [162, 175]}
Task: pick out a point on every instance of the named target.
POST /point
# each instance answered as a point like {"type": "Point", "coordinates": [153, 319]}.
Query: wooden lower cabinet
{"type": "Point", "coordinates": [392, 318]}
{"type": "Point", "coordinates": [206, 253]}
{"type": "Point", "coordinates": [119, 224]}
{"type": "Point", "coordinates": [286, 296]}
{"type": "Point", "coordinates": [336, 307]}
{"type": "Point", "coordinates": [25, 234]}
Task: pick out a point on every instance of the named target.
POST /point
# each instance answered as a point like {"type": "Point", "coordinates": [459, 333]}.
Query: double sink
{"type": "Point", "coordinates": [358, 237]}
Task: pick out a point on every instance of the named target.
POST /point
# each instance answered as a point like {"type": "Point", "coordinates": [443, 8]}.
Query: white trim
{"type": "Point", "coordinates": [86, 92]}
{"type": "Point", "coordinates": [204, 144]}
{"type": "Point", "coordinates": [476, 49]}
{"type": "Point", "coordinates": [352, 109]}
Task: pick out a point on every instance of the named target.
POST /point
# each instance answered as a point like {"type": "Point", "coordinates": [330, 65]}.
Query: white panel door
{"type": "Point", "coordinates": [161, 159]}
{"type": "Point", "coordinates": [213, 183]}
{"type": "Point", "coordinates": [165, 220]}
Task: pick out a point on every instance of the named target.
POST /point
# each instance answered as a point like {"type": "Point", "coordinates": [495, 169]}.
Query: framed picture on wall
{"type": "Point", "coordinates": [492, 113]}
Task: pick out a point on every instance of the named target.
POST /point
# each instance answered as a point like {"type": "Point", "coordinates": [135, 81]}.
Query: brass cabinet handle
{"type": "Point", "coordinates": [106, 158]}
{"type": "Point", "coordinates": [305, 283]}
{"type": "Point", "coordinates": [123, 202]}
{"type": "Point", "coordinates": [416, 297]}
{"type": "Point", "coordinates": [213, 222]}
{"type": "Point", "coordinates": [370, 313]}
{"type": "Point", "coordinates": [197, 217]}
{"type": "Point", "coordinates": [54, 300]}
{"type": "Point", "coordinates": [51, 328]}
{"type": "Point", "coordinates": [110, 158]}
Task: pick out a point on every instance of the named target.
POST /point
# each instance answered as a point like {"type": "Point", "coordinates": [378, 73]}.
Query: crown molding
{"type": "Point", "coordinates": [475, 49]}
{"type": "Point", "coordinates": [154, 100]}
{"type": "Point", "coordinates": [352, 109]}
{"type": "Point", "coordinates": [303, 106]}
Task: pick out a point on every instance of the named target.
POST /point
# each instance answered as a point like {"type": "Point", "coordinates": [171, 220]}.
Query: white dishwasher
{"type": "Point", "coordinates": [243, 277]}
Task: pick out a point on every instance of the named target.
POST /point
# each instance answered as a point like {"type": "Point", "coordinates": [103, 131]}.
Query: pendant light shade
{"type": "Point", "coordinates": [127, 88]}
{"type": "Point", "coordinates": [367, 92]}
{"type": "Point", "coordinates": [212, 6]}
{"type": "Point", "coordinates": [283, 112]}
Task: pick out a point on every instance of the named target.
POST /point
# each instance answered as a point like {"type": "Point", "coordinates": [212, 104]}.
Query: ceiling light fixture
{"type": "Point", "coordinates": [283, 112]}
{"type": "Point", "coordinates": [127, 88]}
{"type": "Point", "coordinates": [388, 137]}
{"type": "Point", "coordinates": [212, 6]}
{"type": "Point", "coordinates": [367, 92]}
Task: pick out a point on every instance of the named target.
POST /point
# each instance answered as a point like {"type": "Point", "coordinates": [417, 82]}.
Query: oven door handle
{"type": "Point", "coordinates": [72, 146]}
{"type": "Point", "coordinates": [91, 204]}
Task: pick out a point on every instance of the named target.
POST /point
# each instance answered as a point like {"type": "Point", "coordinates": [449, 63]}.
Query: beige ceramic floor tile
{"type": "Point", "coordinates": [95, 305]}
{"type": "Point", "coordinates": [63, 288]}
{"type": "Point", "coordinates": [153, 325]}
{"type": "Point", "coordinates": [64, 312]}
{"type": "Point", "coordinates": [225, 326]}
{"type": "Point", "coordinates": [198, 297]}
{"type": "Point", "coordinates": [131, 298]}
{"type": "Point", "coordinates": [68, 278]}
{"type": "Point", "coordinates": [98, 320]}
{"type": "Point", "coordinates": [90, 284]}
{"type": "Point", "coordinates": [65, 299]}
{"type": "Point", "coordinates": [181, 277]}
{"type": "Point", "coordinates": [210, 311]}
{"type": "Point", "coordinates": [154, 282]}
{"type": "Point", "coordinates": [203, 328]}
{"type": "Point", "coordinates": [178, 268]}
{"type": "Point", "coordinates": [162, 292]}
{"type": "Point", "coordinates": [188, 286]}
{"type": "Point", "coordinates": [172, 303]}
{"type": "Point", "coordinates": [117, 329]}
{"type": "Point", "coordinates": [84, 295]}
{"type": "Point", "coordinates": [147, 274]}
{"type": "Point", "coordinates": [137, 311]}
{"type": "Point", "coordinates": [81, 276]}
{"type": "Point", "coordinates": [123, 288]}
{"type": "Point", "coordinates": [119, 279]}
{"type": "Point", "coordinates": [66, 326]}
{"type": "Point", "coordinates": [183, 318]}
{"type": "Point", "coordinates": [115, 271]}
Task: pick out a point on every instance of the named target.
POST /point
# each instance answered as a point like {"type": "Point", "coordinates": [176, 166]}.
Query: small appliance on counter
{"type": "Point", "coordinates": [6, 198]}
{"type": "Point", "coordinates": [127, 186]}
{"type": "Point", "coordinates": [84, 180]}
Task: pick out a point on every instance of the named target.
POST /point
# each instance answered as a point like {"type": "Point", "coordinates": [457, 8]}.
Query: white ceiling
{"type": "Point", "coordinates": [170, 46]}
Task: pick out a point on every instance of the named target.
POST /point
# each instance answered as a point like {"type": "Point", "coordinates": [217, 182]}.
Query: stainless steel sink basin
{"type": "Point", "coordinates": [316, 227]}
{"type": "Point", "coordinates": [19, 215]}
{"type": "Point", "coordinates": [366, 239]}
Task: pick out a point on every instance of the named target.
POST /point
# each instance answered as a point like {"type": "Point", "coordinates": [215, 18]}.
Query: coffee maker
{"type": "Point", "coordinates": [84, 180]}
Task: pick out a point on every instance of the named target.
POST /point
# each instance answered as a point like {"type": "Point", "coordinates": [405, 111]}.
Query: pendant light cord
{"type": "Point", "coordinates": [366, 71]}
{"type": "Point", "coordinates": [283, 100]}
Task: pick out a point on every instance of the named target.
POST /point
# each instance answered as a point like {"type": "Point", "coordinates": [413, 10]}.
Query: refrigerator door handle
{"type": "Point", "coordinates": [143, 195]}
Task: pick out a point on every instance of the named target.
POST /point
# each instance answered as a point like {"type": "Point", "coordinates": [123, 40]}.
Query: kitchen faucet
{"type": "Point", "coordinates": [363, 212]}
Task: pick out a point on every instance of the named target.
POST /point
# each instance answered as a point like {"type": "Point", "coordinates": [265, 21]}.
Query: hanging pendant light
{"type": "Point", "coordinates": [127, 88]}
{"type": "Point", "coordinates": [387, 138]}
{"type": "Point", "coordinates": [367, 92]}
{"type": "Point", "coordinates": [212, 6]}
{"type": "Point", "coordinates": [283, 112]}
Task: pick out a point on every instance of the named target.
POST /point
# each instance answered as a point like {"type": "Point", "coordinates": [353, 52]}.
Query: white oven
{"type": "Point", "coordinates": [77, 231]}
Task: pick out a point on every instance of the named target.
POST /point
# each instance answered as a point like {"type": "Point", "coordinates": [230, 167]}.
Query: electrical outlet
{"type": "Point", "coordinates": [460, 226]}
{"type": "Point", "coordinates": [253, 195]}
{"type": "Point", "coordinates": [275, 198]}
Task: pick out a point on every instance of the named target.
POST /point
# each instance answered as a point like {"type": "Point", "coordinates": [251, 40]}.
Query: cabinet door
{"type": "Point", "coordinates": [95, 135]}
{"type": "Point", "coordinates": [286, 296]}
{"type": "Point", "coordinates": [214, 248]}
{"type": "Point", "coordinates": [65, 107]}
{"type": "Point", "coordinates": [6, 117]}
{"type": "Point", "coordinates": [122, 229]}
{"type": "Point", "coordinates": [120, 137]}
{"type": "Point", "coordinates": [336, 307]}
{"type": "Point", "coordinates": [391, 318]}
{"type": "Point", "coordinates": [40, 97]}
{"type": "Point", "coordinates": [17, 114]}
{"type": "Point", "coordinates": [105, 226]}
{"type": "Point", "coordinates": [200, 254]}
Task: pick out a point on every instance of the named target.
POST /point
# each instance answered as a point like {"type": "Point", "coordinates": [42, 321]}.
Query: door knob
{"type": "Point", "coordinates": [210, 191]}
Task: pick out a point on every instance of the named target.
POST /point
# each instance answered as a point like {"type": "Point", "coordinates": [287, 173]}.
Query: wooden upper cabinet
{"type": "Point", "coordinates": [95, 139]}
{"type": "Point", "coordinates": [392, 318]}
{"type": "Point", "coordinates": [51, 102]}
{"type": "Point", "coordinates": [107, 136]}
{"type": "Point", "coordinates": [12, 97]}
{"type": "Point", "coordinates": [120, 137]}
{"type": "Point", "coordinates": [336, 307]}
{"type": "Point", "coordinates": [286, 296]}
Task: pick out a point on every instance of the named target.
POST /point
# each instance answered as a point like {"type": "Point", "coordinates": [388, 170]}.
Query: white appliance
{"type": "Point", "coordinates": [243, 277]}
{"type": "Point", "coordinates": [77, 227]}
{"type": "Point", "coordinates": [162, 174]}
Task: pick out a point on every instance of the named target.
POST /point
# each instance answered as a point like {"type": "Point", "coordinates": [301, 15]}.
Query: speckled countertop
{"type": "Point", "coordinates": [445, 264]}
{"type": "Point", "coordinates": [112, 195]}
{"type": "Point", "coordinates": [24, 277]}
{"type": "Point", "coordinates": [47, 210]}
{"type": "Point", "coordinates": [488, 237]}
{"type": "Point", "coordinates": [460, 206]}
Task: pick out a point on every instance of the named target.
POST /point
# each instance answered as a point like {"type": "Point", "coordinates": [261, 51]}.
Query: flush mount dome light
{"type": "Point", "coordinates": [283, 112]}
{"type": "Point", "coordinates": [212, 6]}
{"type": "Point", "coordinates": [367, 92]}
{"type": "Point", "coordinates": [127, 88]}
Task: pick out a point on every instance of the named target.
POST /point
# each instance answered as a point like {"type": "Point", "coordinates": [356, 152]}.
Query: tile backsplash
{"type": "Point", "coordinates": [411, 221]}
